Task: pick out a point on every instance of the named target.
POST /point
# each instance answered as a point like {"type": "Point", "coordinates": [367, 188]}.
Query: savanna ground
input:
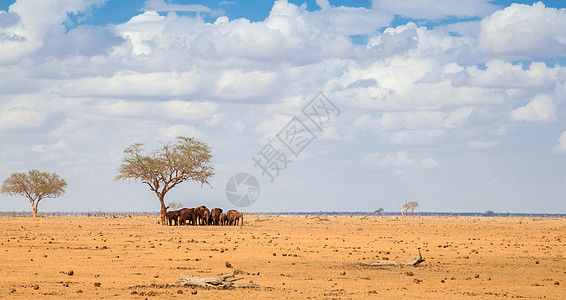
{"type": "Point", "coordinates": [291, 257]}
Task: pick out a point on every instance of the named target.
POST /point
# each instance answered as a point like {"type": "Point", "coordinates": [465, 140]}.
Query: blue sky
{"type": "Point", "coordinates": [458, 105]}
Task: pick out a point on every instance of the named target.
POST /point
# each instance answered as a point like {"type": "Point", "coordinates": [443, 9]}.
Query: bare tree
{"type": "Point", "coordinates": [165, 168]}
{"type": "Point", "coordinates": [408, 205]}
{"type": "Point", "coordinates": [34, 185]}
{"type": "Point", "coordinates": [175, 205]}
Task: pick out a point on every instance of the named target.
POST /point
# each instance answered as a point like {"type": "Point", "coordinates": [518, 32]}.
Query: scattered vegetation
{"type": "Point", "coordinates": [408, 205]}
{"type": "Point", "coordinates": [34, 185]}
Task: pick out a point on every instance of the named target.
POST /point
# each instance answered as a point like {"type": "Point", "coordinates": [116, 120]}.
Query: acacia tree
{"type": "Point", "coordinates": [34, 185]}
{"type": "Point", "coordinates": [165, 168]}
{"type": "Point", "coordinates": [408, 205]}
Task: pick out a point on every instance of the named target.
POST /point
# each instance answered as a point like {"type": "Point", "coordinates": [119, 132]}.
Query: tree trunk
{"type": "Point", "coordinates": [163, 210]}
{"type": "Point", "coordinates": [34, 209]}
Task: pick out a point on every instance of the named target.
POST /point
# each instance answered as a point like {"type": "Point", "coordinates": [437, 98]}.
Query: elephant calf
{"type": "Point", "coordinates": [172, 217]}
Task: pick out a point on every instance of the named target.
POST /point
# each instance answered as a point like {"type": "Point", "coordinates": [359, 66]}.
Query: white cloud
{"type": "Point", "coordinates": [188, 110]}
{"type": "Point", "coordinates": [174, 131]}
{"type": "Point", "coordinates": [522, 31]}
{"type": "Point", "coordinates": [561, 147]}
{"type": "Point", "coordinates": [16, 118]}
{"type": "Point", "coordinates": [406, 137]}
{"type": "Point", "coordinates": [36, 21]}
{"type": "Point", "coordinates": [61, 145]}
{"type": "Point", "coordinates": [398, 159]}
{"type": "Point", "coordinates": [540, 110]}
{"type": "Point", "coordinates": [437, 9]}
{"type": "Point", "coordinates": [429, 163]}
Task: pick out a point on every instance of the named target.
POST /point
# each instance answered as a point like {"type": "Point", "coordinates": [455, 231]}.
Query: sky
{"type": "Point", "coordinates": [329, 105]}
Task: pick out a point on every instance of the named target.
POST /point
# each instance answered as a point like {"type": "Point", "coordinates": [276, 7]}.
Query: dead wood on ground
{"type": "Point", "coordinates": [386, 263]}
{"type": "Point", "coordinates": [221, 281]}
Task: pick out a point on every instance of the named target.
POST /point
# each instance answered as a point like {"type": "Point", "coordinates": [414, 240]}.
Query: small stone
{"type": "Point", "coordinates": [97, 284]}
{"type": "Point", "coordinates": [194, 292]}
{"type": "Point", "coordinates": [71, 273]}
{"type": "Point", "coordinates": [36, 287]}
{"type": "Point", "coordinates": [180, 292]}
{"type": "Point", "coordinates": [556, 283]}
{"type": "Point", "coordinates": [343, 273]}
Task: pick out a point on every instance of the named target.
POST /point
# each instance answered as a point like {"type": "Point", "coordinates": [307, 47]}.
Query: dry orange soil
{"type": "Point", "coordinates": [291, 257]}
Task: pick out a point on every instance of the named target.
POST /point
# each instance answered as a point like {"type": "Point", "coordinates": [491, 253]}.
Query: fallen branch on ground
{"type": "Point", "coordinates": [386, 263]}
{"type": "Point", "coordinates": [221, 281]}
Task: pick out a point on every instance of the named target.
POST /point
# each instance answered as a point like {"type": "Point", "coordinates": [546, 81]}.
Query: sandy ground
{"type": "Point", "coordinates": [291, 257]}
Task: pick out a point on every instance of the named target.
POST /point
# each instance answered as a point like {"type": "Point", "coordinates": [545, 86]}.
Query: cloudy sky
{"type": "Point", "coordinates": [458, 105]}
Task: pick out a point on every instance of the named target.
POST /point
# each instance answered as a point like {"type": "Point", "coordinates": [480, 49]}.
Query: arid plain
{"type": "Point", "coordinates": [316, 257]}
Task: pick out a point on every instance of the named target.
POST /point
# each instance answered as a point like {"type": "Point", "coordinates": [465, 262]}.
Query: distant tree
{"type": "Point", "coordinates": [380, 211]}
{"type": "Point", "coordinates": [165, 168]}
{"type": "Point", "coordinates": [34, 185]}
{"type": "Point", "coordinates": [408, 205]}
{"type": "Point", "coordinates": [175, 205]}
{"type": "Point", "coordinates": [490, 213]}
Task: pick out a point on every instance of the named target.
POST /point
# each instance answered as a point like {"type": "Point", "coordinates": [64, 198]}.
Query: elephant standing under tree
{"type": "Point", "coordinates": [187, 214]}
{"type": "Point", "coordinates": [172, 216]}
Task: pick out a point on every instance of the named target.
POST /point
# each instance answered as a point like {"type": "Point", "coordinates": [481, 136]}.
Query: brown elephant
{"type": "Point", "coordinates": [234, 217]}
{"type": "Point", "coordinates": [172, 217]}
{"type": "Point", "coordinates": [223, 219]}
{"type": "Point", "coordinates": [215, 216]}
{"type": "Point", "coordinates": [187, 214]}
{"type": "Point", "coordinates": [203, 215]}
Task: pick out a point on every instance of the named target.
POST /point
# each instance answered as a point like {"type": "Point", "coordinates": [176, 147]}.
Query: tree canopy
{"type": "Point", "coordinates": [34, 185]}
{"type": "Point", "coordinates": [186, 160]}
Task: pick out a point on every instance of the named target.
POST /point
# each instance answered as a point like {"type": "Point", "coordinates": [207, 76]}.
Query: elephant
{"type": "Point", "coordinates": [203, 214]}
{"type": "Point", "coordinates": [215, 216]}
{"type": "Point", "coordinates": [172, 216]}
{"type": "Point", "coordinates": [234, 217]}
{"type": "Point", "coordinates": [223, 219]}
{"type": "Point", "coordinates": [187, 214]}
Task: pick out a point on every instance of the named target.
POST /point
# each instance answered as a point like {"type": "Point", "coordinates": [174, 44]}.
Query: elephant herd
{"type": "Point", "coordinates": [203, 216]}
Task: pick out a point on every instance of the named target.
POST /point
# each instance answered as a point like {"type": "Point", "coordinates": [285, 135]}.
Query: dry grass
{"type": "Point", "coordinates": [288, 256]}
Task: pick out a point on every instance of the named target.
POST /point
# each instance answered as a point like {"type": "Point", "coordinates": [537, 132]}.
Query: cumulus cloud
{"type": "Point", "coordinates": [540, 110]}
{"type": "Point", "coordinates": [35, 22]}
{"type": "Point", "coordinates": [524, 31]}
{"type": "Point", "coordinates": [16, 118]}
{"type": "Point", "coordinates": [437, 9]}
{"type": "Point", "coordinates": [429, 163]}
{"type": "Point", "coordinates": [561, 147]}
{"type": "Point", "coordinates": [398, 159]}
{"type": "Point", "coordinates": [174, 131]}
